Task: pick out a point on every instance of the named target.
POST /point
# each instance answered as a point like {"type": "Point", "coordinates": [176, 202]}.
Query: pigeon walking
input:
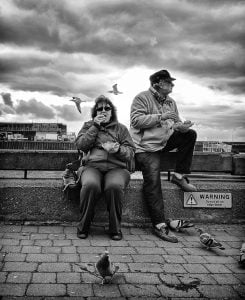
{"type": "Point", "coordinates": [115, 90]}
{"type": "Point", "coordinates": [242, 254]}
{"type": "Point", "coordinates": [208, 241]}
{"type": "Point", "coordinates": [78, 102]}
{"type": "Point", "coordinates": [105, 268]}
{"type": "Point", "coordinates": [179, 224]}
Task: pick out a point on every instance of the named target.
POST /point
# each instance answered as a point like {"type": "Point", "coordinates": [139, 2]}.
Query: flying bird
{"type": "Point", "coordinates": [115, 90]}
{"type": "Point", "coordinates": [78, 102]}
{"type": "Point", "coordinates": [242, 254]}
{"type": "Point", "coordinates": [105, 268]}
{"type": "Point", "coordinates": [179, 224]}
{"type": "Point", "coordinates": [208, 241]}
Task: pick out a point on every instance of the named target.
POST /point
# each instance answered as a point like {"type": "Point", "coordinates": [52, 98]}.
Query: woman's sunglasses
{"type": "Point", "coordinates": [105, 108]}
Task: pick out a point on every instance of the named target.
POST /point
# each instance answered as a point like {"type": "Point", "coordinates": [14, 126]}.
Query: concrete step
{"type": "Point", "coordinates": [43, 200]}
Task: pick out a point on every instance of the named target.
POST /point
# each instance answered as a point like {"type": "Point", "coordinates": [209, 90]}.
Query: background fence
{"type": "Point", "coordinates": [37, 145]}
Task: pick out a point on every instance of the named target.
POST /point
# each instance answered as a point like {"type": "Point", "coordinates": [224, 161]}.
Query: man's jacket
{"type": "Point", "coordinates": [148, 131]}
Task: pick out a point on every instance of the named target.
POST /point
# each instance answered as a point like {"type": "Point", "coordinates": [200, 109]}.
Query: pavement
{"type": "Point", "coordinates": [38, 262]}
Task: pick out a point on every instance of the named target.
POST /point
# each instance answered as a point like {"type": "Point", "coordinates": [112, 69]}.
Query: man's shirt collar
{"type": "Point", "coordinates": [160, 99]}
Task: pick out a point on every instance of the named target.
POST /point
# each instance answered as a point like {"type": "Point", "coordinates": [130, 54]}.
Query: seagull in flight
{"type": "Point", "coordinates": [115, 91]}
{"type": "Point", "coordinates": [78, 102]}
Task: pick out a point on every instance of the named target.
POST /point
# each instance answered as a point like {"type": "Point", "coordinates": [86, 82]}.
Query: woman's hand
{"type": "Point", "coordinates": [99, 119]}
{"type": "Point", "coordinates": [111, 147]}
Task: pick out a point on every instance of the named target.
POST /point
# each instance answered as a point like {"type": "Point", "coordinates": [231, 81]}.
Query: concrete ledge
{"type": "Point", "coordinates": [43, 200]}
{"type": "Point", "coordinates": [239, 164]}
{"type": "Point", "coordinates": [36, 159]}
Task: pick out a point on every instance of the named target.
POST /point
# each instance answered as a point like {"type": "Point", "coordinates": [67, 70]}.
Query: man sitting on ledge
{"type": "Point", "coordinates": [156, 127]}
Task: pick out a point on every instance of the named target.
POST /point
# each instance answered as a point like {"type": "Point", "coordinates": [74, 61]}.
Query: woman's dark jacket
{"type": "Point", "coordinates": [91, 137]}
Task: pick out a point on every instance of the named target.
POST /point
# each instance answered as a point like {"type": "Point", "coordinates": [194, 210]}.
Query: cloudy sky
{"type": "Point", "coordinates": [51, 50]}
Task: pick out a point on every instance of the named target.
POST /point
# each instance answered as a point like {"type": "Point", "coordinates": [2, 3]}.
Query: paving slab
{"type": "Point", "coordinates": [148, 267]}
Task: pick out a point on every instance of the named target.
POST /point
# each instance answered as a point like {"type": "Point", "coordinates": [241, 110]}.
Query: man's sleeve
{"type": "Point", "coordinates": [140, 116]}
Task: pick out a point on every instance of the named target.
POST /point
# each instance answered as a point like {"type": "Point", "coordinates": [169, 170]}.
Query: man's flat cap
{"type": "Point", "coordinates": [162, 74]}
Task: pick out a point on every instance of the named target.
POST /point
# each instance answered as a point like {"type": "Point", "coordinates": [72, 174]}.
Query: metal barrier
{"type": "Point", "coordinates": [51, 160]}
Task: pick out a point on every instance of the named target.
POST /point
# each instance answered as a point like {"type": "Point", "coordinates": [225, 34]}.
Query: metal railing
{"type": "Point", "coordinates": [37, 145]}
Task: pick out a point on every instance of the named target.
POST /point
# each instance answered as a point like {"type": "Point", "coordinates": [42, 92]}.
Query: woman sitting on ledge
{"type": "Point", "coordinates": [109, 147]}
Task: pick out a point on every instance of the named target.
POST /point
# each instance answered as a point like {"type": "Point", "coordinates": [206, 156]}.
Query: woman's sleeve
{"type": "Point", "coordinates": [87, 136]}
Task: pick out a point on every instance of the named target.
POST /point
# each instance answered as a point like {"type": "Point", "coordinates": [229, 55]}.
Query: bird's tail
{"type": "Point", "coordinates": [116, 269]}
{"type": "Point", "coordinates": [186, 224]}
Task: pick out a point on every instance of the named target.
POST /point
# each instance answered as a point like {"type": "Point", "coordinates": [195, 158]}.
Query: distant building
{"type": "Point", "coordinates": [34, 131]}
{"type": "Point", "coordinates": [213, 146]}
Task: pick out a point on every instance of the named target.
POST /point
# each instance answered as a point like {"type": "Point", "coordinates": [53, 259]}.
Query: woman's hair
{"type": "Point", "coordinates": [103, 99]}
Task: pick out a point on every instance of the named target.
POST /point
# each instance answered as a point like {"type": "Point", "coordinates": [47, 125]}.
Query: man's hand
{"type": "Point", "coordinates": [170, 115]}
{"type": "Point", "coordinates": [183, 127]}
{"type": "Point", "coordinates": [111, 147]}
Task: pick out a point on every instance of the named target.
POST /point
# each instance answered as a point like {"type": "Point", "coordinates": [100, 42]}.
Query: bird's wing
{"type": "Point", "coordinates": [215, 244]}
{"type": "Point", "coordinates": [186, 224]}
{"type": "Point", "coordinates": [115, 90]}
{"type": "Point", "coordinates": [242, 258]}
{"type": "Point", "coordinates": [242, 250]}
{"type": "Point", "coordinates": [84, 268]}
{"type": "Point", "coordinates": [114, 268]}
{"type": "Point", "coordinates": [174, 224]}
{"type": "Point", "coordinates": [178, 224]}
{"type": "Point", "coordinates": [79, 107]}
{"type": "Point", "coordinates": [102, 266]}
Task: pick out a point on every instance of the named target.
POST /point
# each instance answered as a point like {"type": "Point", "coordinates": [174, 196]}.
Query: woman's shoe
{"type": "Point", "coordinates": [81, 235]}
{"type": "Point", "coordinates": [116, 236]}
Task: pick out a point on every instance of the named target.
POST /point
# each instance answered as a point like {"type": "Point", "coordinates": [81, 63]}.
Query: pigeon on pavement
{"type": "Point", "coordinates": [105, 268]}
{"type": "Point", "coordinates": [242, 254]}
{"type": "Point", "coordinates": [178, 224]}
{"type": "Point", "coordinates": [78, 102]}
{"type": "Point", "coordinates": [208, 241]}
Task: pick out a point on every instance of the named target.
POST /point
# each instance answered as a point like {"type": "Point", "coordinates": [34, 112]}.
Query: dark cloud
{"type": "Point", "coordinates": [234, 86]}
{"type": "Point", "coordinates": [54, 73]}
{"type": "Point", "coordinates": [77, 48]}
{"type": "Point", "coordinates": [70, 113]}
{"type": "Point", "coordinates": [35, 108]}
{"type": "Point", "coordinates": [7, 110]}
{"type": "Point", "coordinates": [193, 37]}
{"type": "Point", "coordinates": [7, 99]}
{"type": "Point", "coordinates": [216, 116]}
